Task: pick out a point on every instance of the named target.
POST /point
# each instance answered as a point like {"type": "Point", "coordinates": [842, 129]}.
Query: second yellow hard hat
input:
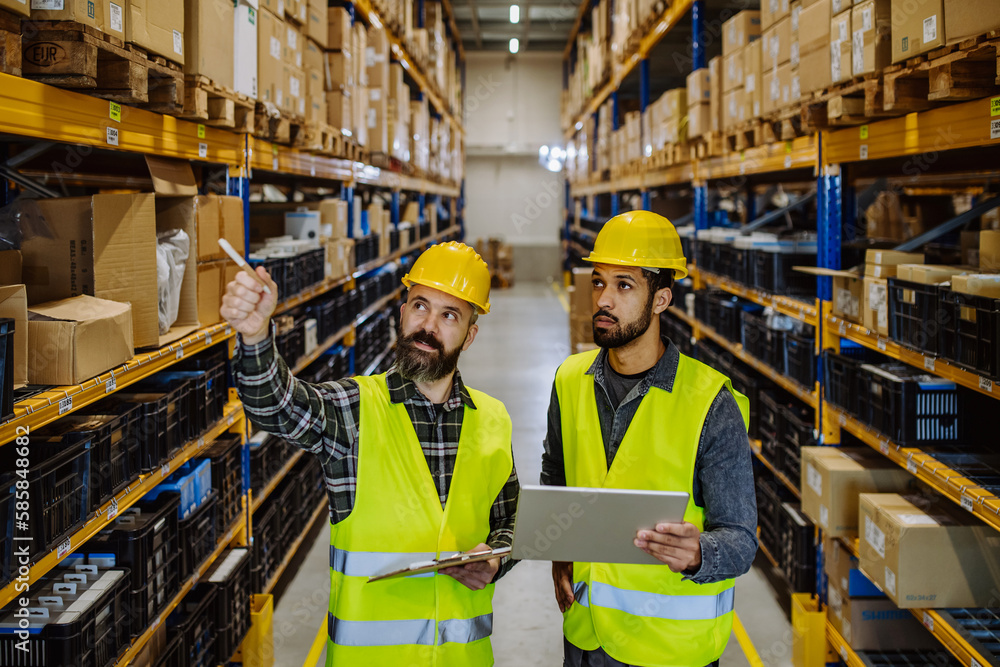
{"type": "Point", "coordinates": [456, 269]}
{"type": "Point", "coordinates": [640, 238]}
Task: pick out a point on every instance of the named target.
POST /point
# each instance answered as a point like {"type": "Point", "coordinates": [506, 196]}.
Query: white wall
{"type": "Point", "coordinates": [511, 109]}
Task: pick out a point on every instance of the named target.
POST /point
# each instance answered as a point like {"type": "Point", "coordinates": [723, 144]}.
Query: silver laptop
{"type": "Point", "coordinates": [559, 523]}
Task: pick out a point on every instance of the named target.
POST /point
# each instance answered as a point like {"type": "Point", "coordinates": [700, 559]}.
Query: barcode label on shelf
{"type": "Point", "coordinates": [208, 339]}
{"type": "Point", "coordinates": [884, 447]}
{"type": "Point", "coordinates": [911, 466]}
{"type": "Point", "coordinates": [788, 162]}
{"type": "Point", "coordinates": [180, 353]}
{"type": "Point", "coordinates": [995, 129]}
{"type": "Point", "coordinates": [864, 152]}
{"type": "Point", "coordinates": [112, 136]}
{"type": "Point", "coordinates": [115, 112]}
{"type": "Point", "coordinates": [843, 328]}
{"type": "Point", "coordinates": [165, 470]}
{"type": "Point", "coordinates": [929, 364]}
{"type": "Point", "coordinates": [864, 133]}
{"type": "Point", "coordinates": [201, 442]}
{"type": "Point", "coordinates": [203, 150]}
{"type": "Point", "coordinates": [843, 420]}
{"type": "Point", "coordinates": [230, 421]}
{"type": "Point", "coordinates": [928, 622]}
{"type": "Point", "coordinates": [64, 548]}
{"type": "Point", "coordinates": [986, 384]}
{"type": "Point", "coordinates": [881, 344]}
{"type": "Point", "coordinates": [65, 405]}
{"type": "Point", "coordinates": [843, 653]}
{"type": "Point", "coordinates": [111, 385]}
{"type": "Point", "coordinates": [201, 131]}
{"type": "Point", "coordinates": [967, 503]}
{"type": "Point", "coordinates": [113, 509]}
{"type": "Point", "coordinates": [974, 663]}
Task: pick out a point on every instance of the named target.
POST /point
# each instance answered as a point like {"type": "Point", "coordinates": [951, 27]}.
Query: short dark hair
{"type": "Point", "coordinates": [657, 281]}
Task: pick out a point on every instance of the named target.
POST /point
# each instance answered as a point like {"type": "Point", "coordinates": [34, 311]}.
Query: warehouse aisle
{"type": "Point", "coordinates": [520, 345]}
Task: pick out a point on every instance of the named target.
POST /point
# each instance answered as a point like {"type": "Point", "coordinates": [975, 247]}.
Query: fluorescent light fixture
{"type": "Point", "coordinates": [554, 165]}
{"type": "Point", "coordinates": [544, 151]}
{"type": "Point", "coordinates": [515, 44]}
{"type": "Point", "coordinates": [571, 152]}
{"type": "Point", "coordinates": [515, 14]}
{"type": "Point", "coordinates": [579, 125]}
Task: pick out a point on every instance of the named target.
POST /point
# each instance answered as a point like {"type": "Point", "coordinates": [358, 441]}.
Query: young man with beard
{"type": "Point", "coordinates": [416, 463]}
{"type": "Point", "coordinates": [638, 414]}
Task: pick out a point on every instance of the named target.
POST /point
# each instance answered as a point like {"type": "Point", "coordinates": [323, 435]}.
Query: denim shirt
{"type": "Point", "coordinates": [723, 472]}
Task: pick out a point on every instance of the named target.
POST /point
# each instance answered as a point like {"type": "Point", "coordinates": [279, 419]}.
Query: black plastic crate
{"type": "Point", "coordinates": [230, 575]}
{"type": "Point", "coordinates": [971, 337]}
{"type": "Point", "coordinates": [226, 455]}
{"type": "Point", "coordinates": [265, 550]}
{"type": "Point", "coordinates": [181, 390]}
{"type": "Point", "coordinates": [214, 366]}
{"type": "Point", "coordinates": [923, 658]}
{"type": "Point", "coordinates": [771, 425]}
{"type": "Point", "coordinates": [60, 482]}
{"type": "Point", "coordinates": [145, 540]}
{"type": "Point", "coordinates": [842, 380]}
{"type": "Point", "coordinates": [197, 536]}
{"type": "Point", "coordinates": [979, 627]}
{"type": "Point", "coordinates": [761, 341]}
{"type": "Point", "coordinates": [201, 399]}
{"type": "Point", "coordinates": [772, 272]}
{"type": "Point", "coordinates": [797, 432]}
{"type": "Point", "coordinates": [6, 368]}
{"type": "Point", "coordinates": [194, 621]}
{"type": "Point", "coordinates": [311, 485]}
{"type": "Point", "coordinates": [173, 654]}
{"type": "Point", "coordinates": [796, 554]}
{"type": "Point", "coordinates": [160, 426]}
{"type": "Point", "coordinates": [910, 407]}
{"type": "Point", "coordinates": [7, 489]}
{"type": "Point", "coordinates": [96, 635]}
{"type": "Point", "coordinates": [916, 316]}
{"type": "Point", "coordinates": [750, 383]}
{"type": "Point", "coordinates": [800, 358]}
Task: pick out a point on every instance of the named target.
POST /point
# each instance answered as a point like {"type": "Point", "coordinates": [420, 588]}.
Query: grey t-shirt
{"type": "Point", "coordinates": [618, 385]}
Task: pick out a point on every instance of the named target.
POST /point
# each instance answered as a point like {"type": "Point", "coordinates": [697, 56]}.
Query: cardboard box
{"type": "Point", "coordinates": [778, 88]}
{"type": "Point", "coordinates": [840, 48]}
{"type": "Point", "coordinates": [848, 288]}
{"type": "Point", "coordinates": [814, 69]}
{"type": "Point", "coordinates": [876, 624]}
{"type": "Point", "coordinates": [699, 87]}
{"type": "Point", "coordinates": [753, 78]}
{"type": "Point", "coordinates": [14, 305]}
{"type": "Point", "coordinates": [772, 11]}
{"type": "Point", "coordinates": [270, 59]}
{"type": "Point", "coordinates": [157, 26]}
{"type": "Point", "coordinates": [87, 12]}
{"type": "Point", "coordinates": [917, 28]}
{"type": "Point", "coordinates": [716, 111]}
{"type": "Point", "coordinates": [832, 478]}
{"type": "Point", "coordinates": [293, 48]}
{"type": "Point", "coordinates": [315, 88]}
{"type": "Point", "coordinates": [208, 223]}
{"type": "Point", "coordinates": [338, 111]}
{"type": "Point", "coordinates": [359, 48]}
{"type": "Point", "coordinates": [313, 57]}
{"type": "Point", "coordinates": [377, 58]}
{"type": "Point", "coordinates": [333, 218]}
{"type": "Point", "coordinates": [359, 115]}
{"type": "Point", "coordinates": [871, 42]}
{"type": "Point", "coordinates": [843, 571]}
{"type": "Point", "coordinates": [926, 552]}
{"type": "Point", "coordinates": [317, 22]}
{"type": "Point", "coordinates": [893, 257]}
{"type": "Point", "coordinates": [969, 18]}
{"type": "Point", "coordinates": [734, 108]}
{"type": "Point", "coordinates": [740, 30]}
{"type": "Point", "coordinates": [245, 42]}
{"type": "Point", "coordinates": [926, 274]}
{"type": "Point", "coordinates": [210, 290]}
{"type": "Point", "coordinates": [339, 258]}
{"type": "Point", "coordinates": [295, 98]}
{"type": "Point", "coordinates": [733, 75]}
{"type": "Point", "coordinates": [979, 284]}
{"type": "Point", "coordinates": [795, 13]}
{"type": "Point", "coordinates": [777, 44]}
{"type": "Point", "coordinates": [233, 221]}
{"type": "Point", "coordinates": [19, 7]}
{"type": "Point", "coordinates": [10, 267]}
{"type": "Point", "coordinates": [880, 270]}
{"type": "Point", "coordinates": [105, 246]}
{"type": "Point", "coordinates": [814, 27]}
{"type": "Point", "coordinates": [73, 340]}
{"type": "Point", "coordinates": [339, 70]}
{"type": "Point", "coordinates": [989, 250]}
{"type": "Point", "coordinates": [875, 305]}
{"type": "Point", "coordinates": [699, 120]}
{"type": "Point", "coordinates": [208, 44]}
{"type": "Point", "coordinates": [339, 33]}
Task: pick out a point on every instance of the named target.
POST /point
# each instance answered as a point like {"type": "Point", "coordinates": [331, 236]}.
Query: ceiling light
{"type": "Point", "coordinates": [544, 151]}
{"type": "Point", "coordinates": [515, 44]}
{"type": "Point", "coordinates": [515, 14]}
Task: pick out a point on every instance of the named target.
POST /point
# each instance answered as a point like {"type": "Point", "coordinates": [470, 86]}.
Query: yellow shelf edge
{"type": "Point", "coordinates": [140, 642]}
{"type": "Point", "coordinates": [37, 411]}
{"type": "Point", "coordinates": [950, 638]}
{"type": "Point", "coordinates": [317, 513]}
{"type": "Point", "coordinates": [125, 499]}
{"type": "Point", "coordinates": [321, 349]}
{"type": "Point", "coordinates": [763, 550]}
{"type": "Point", "coordinates": [799, 310]}
{"type": "Point", "coordinates": [841, 647]}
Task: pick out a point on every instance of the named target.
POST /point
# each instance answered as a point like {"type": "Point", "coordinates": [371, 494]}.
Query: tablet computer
{"type": "Point", "coordinates": [564, 523]}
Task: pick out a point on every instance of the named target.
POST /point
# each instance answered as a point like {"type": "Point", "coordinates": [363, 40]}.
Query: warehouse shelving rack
{"type": "Point", "coordinates": [49, 116]}
{"type": "Point", "coordinates": [938, 140]}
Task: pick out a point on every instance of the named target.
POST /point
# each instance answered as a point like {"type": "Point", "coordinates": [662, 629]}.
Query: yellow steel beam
{"type": "Point", "coordinates": [268, 156]}
{"type": "Point", "coordinates": [321, 349]}
{"type": "Point", "coordinates": [842, 648]}
{"type": "Point", "coordinates": [456, 35]}
{"type": "Point", "coordinates": [575, 30]}
{"type": "Point", "coordinates": [837, 327]}
{"type": "Point", "coordinates": [32, 109]}
{"type": "Point", "coordinates": [950, 127]}
{"type": "Point", "coordinates": [125, 499]}
{"type": "Point", "coordinates": [800, 153]}
{"type": "Point", "coordinates": [41, 409]}
{"type": "Point", "coordinates": [140, 642]}
{"type": "Point", "coordinates": [668, 19]}
{"type": "Point", "coordinates": [950, 638]}
{"type": "Point", "coordinates": [802, 311]}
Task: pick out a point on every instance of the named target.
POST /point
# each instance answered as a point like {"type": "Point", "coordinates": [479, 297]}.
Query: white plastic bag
{"type": "Point", "coordinates": [172, 250]}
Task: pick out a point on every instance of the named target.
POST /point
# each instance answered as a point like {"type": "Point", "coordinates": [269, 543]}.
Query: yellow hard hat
{"type": "Point", "coordinates": [640, 238]}
{"type": "Point", "coordinates": [456, 269]}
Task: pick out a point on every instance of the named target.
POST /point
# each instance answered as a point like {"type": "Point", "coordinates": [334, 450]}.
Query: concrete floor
{"type": "Point", "coordinates": [520, 345]}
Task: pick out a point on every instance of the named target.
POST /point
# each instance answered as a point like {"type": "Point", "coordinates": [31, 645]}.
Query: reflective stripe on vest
{"type": "Point", "coordinates": [372, 563]}
{"type": "Point", "coordinates": [416, 632]}
{"type": "Point", "coordinates": [641, 603]}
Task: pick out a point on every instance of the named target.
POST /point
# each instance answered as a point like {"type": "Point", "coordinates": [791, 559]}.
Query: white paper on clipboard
{"type": "Point", "coordinates": [423, 567]}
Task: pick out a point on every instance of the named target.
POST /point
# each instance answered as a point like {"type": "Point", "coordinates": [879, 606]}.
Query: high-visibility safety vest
{"type": "Point", "coordinates": [644, 614]}
{"type": "Point", "coordinates": [426, 620]}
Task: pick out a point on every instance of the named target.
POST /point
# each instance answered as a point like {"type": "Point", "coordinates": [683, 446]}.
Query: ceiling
{"type": "Point", "coordinates": [485, 24]}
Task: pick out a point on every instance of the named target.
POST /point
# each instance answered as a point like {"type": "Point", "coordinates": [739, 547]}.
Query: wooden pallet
{"type": "Point", "coordinates": [79, 57]}
{"type": "Point", "coordinates": [316, 137]}
{"type": "Point", "coordinates": [710, 144]}
{"type": "Point", "coordinates": [10, 44]}
{"type": "Point", "coordinates": [273, 126]}
{"type": "Point", "coordinates": [671, 155]}
{"type": "Point", "coordinates": [964, 71]}
{"type": "Point", "coordinates": [216, 105]}
{"type": "Point", "coordinates": [853, 102]}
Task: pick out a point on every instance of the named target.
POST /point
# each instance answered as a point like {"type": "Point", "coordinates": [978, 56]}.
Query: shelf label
{"type": "Point", "coordinates": [180, 353]}
{"type": "Point", "coordinates": [928, 622]}
{"type": "Point", "coordinates": [995, 129]}
{"type": "Point", "coordinates": [986, 384]}
{"type": "Point", "coordinates": [64, 548]}
{"type": "Point", "coordinates": [884, 447]}
{"type": "Point", "coordinates": [843, 653]}
{"type": "Point", "coordinates": [229, 422]}
{"type": "Point", "coordinates": [842, 329]}
{"type": "Point", "coordinates": [929, 363]}
{"type": "Point", "coordinates": [208, 339]}
{"type": "Point", "coordinates": [973, 662]}
{"type": "Point", "coordinates": [203, 150]}
{"type": "Point", "coordinates": [115, 112]}
{"type": "Point", "coordinates": [165, 470]}
{"type": "Point", "coordinates": [995, 106]}
{"type": "Point", "coordinates": [911, 467]}
{"type": "Point", "coordinates": [111, 385]}
{"type": "Point", "coordinates": [864, 152]}
{"type": "Point", "coordinates": [864, 133]}
{"type": "Point", "coordinates": [843, 419]}
{"type": "Point", "coordinates": [967, 503]}
{"type": "Point", "coordinates": [881, 344]}
{"type": "Point", "coordinates": [112, 136]}
{"type": "Point", "coordinates": [788, 162]}
{"type": "Point", "coordinates": [201, 131]}
{"type": "Point", "coordinates": [65, 405]}
{"type": "Point", "coordinates": [201, 442]}
{"type": "Point", "coordinates": [113, 509]}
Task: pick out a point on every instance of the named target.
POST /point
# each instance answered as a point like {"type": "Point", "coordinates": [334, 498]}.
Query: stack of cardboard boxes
{"type": "Point", "coordinates": [778, 90]}
{"type": "Point", "coordinates": [581, 322]}
{"type": "Point", "coordinates": [737, 34]}
{"type": "Point", "coordinates": [699, 100]}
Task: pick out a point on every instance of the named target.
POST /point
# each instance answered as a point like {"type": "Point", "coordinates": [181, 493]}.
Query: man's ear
{"type": "Point", "coordinates": [469, 337]}
{"type": "Point", "coordinates": [662, 300]}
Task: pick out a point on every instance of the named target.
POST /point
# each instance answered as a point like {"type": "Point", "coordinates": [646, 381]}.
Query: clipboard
{"type": "Point", "coordinates": [426, 566]}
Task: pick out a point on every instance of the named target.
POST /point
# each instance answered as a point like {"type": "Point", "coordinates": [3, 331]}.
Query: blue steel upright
{"type": "Point", "coordinates": [701, 207]}
{"type": "Point", "coordinates": [394, 211]}
{"type": "Point", "coordinates": [347, 194]}
{"type": "Point", "coordinates": [697, 47]}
